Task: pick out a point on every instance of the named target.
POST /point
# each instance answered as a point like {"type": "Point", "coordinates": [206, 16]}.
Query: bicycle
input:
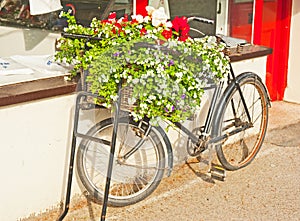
{"type": "Point", "coordinates": [121, 161]}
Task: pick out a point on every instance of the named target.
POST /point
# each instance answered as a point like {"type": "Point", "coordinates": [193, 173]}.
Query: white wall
{"type": "Point", "coordinates": [292, 92]}
{"type": "Point", "coordinates": [35, 149]}
{"type": "Point", "coordinates": [17, 41]}
{"type": "Point", "coordinates": [34, 145]}
{"type": "Point", "coordinates": [256, 65]}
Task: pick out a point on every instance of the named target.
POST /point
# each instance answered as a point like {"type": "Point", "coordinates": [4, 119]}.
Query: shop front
{"type": "Point", "coordinates": [37, 103]}
{"type": "Point", "coordinates": [260, 22]}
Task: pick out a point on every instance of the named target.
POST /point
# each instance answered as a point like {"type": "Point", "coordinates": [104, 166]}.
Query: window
{"type": "Point", "coordinates": [241, 19]}
{"type": "Point", "coordinates": [17, 12]}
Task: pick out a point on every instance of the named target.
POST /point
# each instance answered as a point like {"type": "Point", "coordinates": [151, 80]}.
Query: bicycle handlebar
{"type": "Point", "coordinates": [200, 19]}
{"type": "Point", "coordinates": [79, 36]}
{"type": "Point", "coordinates": [88, 37]}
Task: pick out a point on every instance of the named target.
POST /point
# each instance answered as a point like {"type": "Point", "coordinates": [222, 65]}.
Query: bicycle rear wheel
{"type": "Point", "coordinates": [134, 178]}
{"type": "Point", "coordinates": [241, 148]}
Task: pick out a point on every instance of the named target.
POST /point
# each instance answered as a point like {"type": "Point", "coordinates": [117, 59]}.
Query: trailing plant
{"type": "Point", "coordinates": [166, 69]}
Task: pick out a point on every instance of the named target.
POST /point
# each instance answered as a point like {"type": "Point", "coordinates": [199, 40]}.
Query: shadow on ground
{"type": "Point", "coordinates": [287, 136]}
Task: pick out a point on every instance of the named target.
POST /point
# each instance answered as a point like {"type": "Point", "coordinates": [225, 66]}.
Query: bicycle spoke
{"type": "Point", "coordinates": [133, 178]}
{"type": "Point", "coordinates": [245, 138]}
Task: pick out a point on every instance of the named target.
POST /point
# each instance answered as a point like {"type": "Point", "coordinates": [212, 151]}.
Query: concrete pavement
{"type": "Point", "coordinates": [268, 189]}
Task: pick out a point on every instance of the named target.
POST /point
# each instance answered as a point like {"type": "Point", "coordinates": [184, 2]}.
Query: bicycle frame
{"type": "Point", "coordinates": [204, 140]}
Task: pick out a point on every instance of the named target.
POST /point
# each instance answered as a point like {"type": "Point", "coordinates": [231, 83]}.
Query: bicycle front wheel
{"type": "Point", "coordinates": [133, 177]}
{"type": "Point", "coordinates": [246, 130]}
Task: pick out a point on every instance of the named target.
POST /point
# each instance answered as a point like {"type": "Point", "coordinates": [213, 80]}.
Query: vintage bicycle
{"type": "Point", "coordinates": [121, 161]}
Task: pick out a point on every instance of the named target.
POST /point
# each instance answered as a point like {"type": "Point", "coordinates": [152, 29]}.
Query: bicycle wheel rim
{"type": "Point", "coordinates": [240, 149]}
{"type": "Point", "coordinates": [133, 179]}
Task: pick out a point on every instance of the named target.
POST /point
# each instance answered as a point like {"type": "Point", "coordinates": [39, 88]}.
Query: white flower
{"type": "Point", "coordinates": [131, 100]}
{"type": "Point", "coordinates": [152, 97]}
{"type": "Point", "coordinates": [150, 9]}
{"type": "Point", "coordinates": [139, 18]}
{"type": "Point", "coordinates": [135, 116]}
{"type": "Point", "coordinates": [159, 17]}
{"type": "Point", "coordinates": [148, 73]}
{"type": "Point", "coordinates": [114, 97]}
{"type": "Point", "coordinates": [179, 74]}
{"type": "Point", "coordinates": [135, 81]}
{"type": "Point", "coordinates": [143, 106]}
{"type": "Point", "coordinates": [169, 24]}
{"type": "Point", "coordinates": [120, 20]}
{"type": "Point", "coordinates": [190, 88]}
{"type": "Point", "coordinates": [104, 78]}
{"type": "Point", "coordinates": [147, 19]}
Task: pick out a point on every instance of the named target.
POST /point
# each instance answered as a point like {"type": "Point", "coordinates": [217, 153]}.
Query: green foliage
{"type": "Point", "coordinates": [166, 69]}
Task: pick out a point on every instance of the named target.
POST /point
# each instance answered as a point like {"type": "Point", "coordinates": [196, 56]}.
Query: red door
{"type": "Point", "coordinates": [274, 31]}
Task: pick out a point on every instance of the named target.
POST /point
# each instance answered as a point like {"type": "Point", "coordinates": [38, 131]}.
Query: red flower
{"type": "Point", "coordinates": [167, 34]}
{"type": "Point", "coordinates": [125, 19]}
{"type": "Point", "coordinates": [96, 31]}
{"type": "Point", "coordinates": [183, 37]}
{"type": "Point", "coordinates": [112, 15]}
{"type": "Point", "coordinates": [181, 26]}
{"type": "Point", "coordinates": [117, 28]}
{"type": "Point", "coordinates": [143, 31]}
{"type": "Point", "coordinates": [134, 21]}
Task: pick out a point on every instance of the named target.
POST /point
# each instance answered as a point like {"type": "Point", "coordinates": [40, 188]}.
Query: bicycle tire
{"type": "Point", "coordinates": [133, 179]}
{"type": "Point", "coordinates": [240, 149]}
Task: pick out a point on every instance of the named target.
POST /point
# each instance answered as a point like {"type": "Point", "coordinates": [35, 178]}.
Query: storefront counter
{"type": "Point", "coordinates": [36, 89]}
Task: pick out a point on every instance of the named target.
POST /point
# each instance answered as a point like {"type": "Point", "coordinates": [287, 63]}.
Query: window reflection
{"type": "Point", "coordinates": [17, 12]}
{"type": "Point", "coordinates": [240, 16]}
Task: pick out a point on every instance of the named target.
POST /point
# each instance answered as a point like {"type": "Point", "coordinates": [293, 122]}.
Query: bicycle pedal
{"type": "Point", "coordinates": [217, 172]}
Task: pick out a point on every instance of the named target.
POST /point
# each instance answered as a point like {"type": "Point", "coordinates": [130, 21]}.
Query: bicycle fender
{"type": "Point", "coordinates": [168, 148]}
{"type": "Point", "coordinates": [229, 89]}
{"type": "Point", "coordinates": [247, 74]}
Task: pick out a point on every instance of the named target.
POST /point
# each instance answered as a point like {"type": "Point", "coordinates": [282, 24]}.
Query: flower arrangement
{"type": "Point", "coordinates": [166, 69]}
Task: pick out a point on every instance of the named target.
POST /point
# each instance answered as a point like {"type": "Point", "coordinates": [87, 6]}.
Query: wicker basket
{"type": "Point", "coordinates": [126, 93]}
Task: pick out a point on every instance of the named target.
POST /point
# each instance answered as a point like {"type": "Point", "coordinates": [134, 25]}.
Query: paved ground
{"type": "Point", "coordinates": [268, 189]}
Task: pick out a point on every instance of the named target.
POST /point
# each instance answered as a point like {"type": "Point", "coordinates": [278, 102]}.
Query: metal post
{"type": "Point", "coordinates": [112, 153]}
{"type": "Point", "coordinates": [71, 163]}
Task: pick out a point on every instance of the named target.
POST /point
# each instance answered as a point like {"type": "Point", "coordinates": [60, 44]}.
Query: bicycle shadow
{"type": "Point", "coordinates": [199, 173]}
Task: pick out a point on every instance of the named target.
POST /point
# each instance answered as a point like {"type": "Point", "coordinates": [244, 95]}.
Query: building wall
{"type": "Point", "coordinates": [19, 41]}
{"type": "Point", "coordinates": [292, 92]}
{"type": "Point", "coordinates": [35, 140]}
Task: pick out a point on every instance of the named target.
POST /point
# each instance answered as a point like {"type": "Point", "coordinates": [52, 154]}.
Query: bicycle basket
{"type": "Point", "coordinates": [164, 80]}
